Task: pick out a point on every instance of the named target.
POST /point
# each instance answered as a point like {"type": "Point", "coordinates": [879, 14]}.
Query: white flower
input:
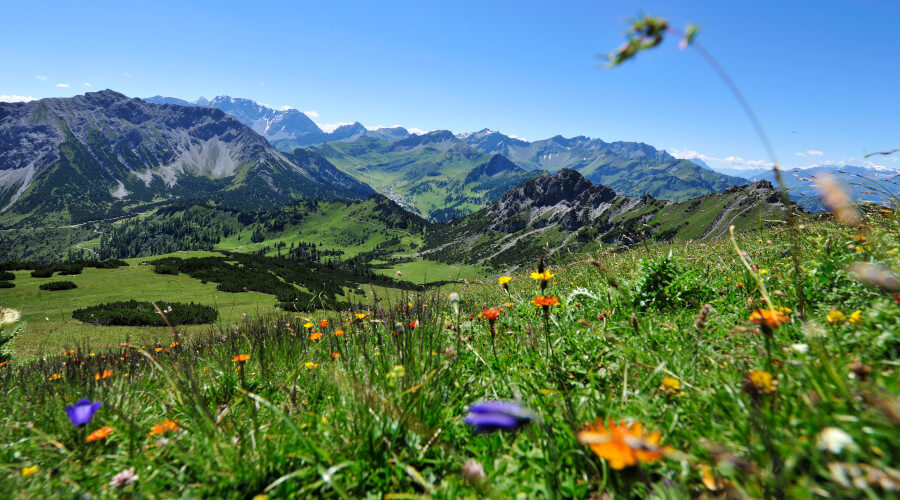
{"type": "Point", "coordinates": [801, 348]}
{"type": "Point", "coordinates": [834, 440]}
{"type": "Point", "coordinates": [124, 479]}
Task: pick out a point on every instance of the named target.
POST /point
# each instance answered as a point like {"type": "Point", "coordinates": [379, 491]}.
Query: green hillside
{"type": "Point", "coordinates": [435, 175]}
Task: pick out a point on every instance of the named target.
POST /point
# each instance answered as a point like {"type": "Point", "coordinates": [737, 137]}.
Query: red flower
{"type": "Point", "coordinates": [323, 323]}
{"type": "Point", "coordinates": [490, 314]}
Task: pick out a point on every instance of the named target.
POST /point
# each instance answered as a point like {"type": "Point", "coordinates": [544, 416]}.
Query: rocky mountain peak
{"type": "Point", "coordinates": [565, 186]}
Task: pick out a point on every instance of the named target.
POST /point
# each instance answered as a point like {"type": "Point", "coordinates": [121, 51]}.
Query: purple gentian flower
{"type": "Point", "coordinates": [82, 412]}
{"type": "Point", "coordinates": [492, 416]}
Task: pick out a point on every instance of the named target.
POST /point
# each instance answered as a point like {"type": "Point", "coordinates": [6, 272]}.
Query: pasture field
{"type": "Point", "coordinates": [666, 371]}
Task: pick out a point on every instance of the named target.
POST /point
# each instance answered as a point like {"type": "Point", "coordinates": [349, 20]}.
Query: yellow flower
{"type": "Point", "coordinates": [360, 316]}
{"type": "Point", "coordinates": [759, 382]}
{"type": "Point", "coordinates": [544, 276]}
{"type": "Point", "coordinates": [504, 280]}
{"type": "Point", "coordinates": [310, 364]}
{"type": "Point", "coordinates": [27, 471]}
{"type": "Point", "coordinates": [762, 271]}
{"type": "Point", "coordinates": [856, 317]}
{"type": "Point", "coordinates": [55, 376]}
{"type": "Point", "coordinates": [836, 317]}
{"type": "Point", "coordinates": [670, 386]}
{"type": "Point", "coordinates": [308, 325]}
{"type": "Point", "coordinates": [622, 445]}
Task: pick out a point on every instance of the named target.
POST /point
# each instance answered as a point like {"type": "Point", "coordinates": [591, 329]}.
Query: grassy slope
{"type": "Point", "coordinates": [107, 285]}
{"type": "Point", "coordinates": [380, 421]}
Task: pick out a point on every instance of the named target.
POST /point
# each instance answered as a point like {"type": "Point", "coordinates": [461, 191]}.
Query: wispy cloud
{"type": "Point", "coordinates": [808, 152]}
{"type": "Point", "coordinates": [88, 84]}
{"type": "Point", "coordinates": [729, 162]}
{"type": "Point", "coordinates": [62, 85]}
{"type": "Point", "coordinates": [16, 98]}
{"type": "Point", "coordinates": [42, 78]}
{"type": "Point", "coordinates": [127, 74]}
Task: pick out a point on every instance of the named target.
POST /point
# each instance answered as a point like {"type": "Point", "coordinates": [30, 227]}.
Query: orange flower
{"type": "Point", "coordinates": [623, 445]}
{"type": "Point", "coordinates": [99, 434]}
{"type": "Point", "coordinates": [165, 426]}
{"type": "Point", "coordinates": [545, 300]}
{"type": "Point", "coordinates": [105, 374]}
{"type": "Point", "coordinates": [490, 314]}
{"type": "Point", "coordinates": [240, 358]}
{"type": "Point", "coordinates": [413, 324]}
{"type": "Point", "coordinates": [4, 363]}
{"type": "Point", "coordinates": [769, 318]}
{"type": "Point", "coordinates": [323, 323]}
{"type": "Point", "coordinates": [339, 332]}
{"type": "Point", "coordinates": [335, 355]}
{"type": "Point", "coordinates": [315, 336]}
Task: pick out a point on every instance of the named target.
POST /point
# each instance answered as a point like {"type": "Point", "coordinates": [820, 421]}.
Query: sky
{"type": "Point", "coordinates": [822, 75]}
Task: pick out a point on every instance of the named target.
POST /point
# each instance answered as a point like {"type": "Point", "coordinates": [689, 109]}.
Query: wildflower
{"type": "Point", "coordinates": [491, 416]}
{"type": "Point", "coordinates": [240, 358]}
{"type": "Point", "coordinates": [4, 363]}
{"type": "Point", "coordinates": [856, 317]}
{"type": "Point", "coordinates": [158, 349]}
{"type": "Point", "coordinates": [99, 434]}
{"type": "Point", "coordinates": [414, 323]}
{"type": "Point", "coordinates": [622, 445]}
{"type": "Point", "coordinates": [311, 365]}
{"type": "Point", "coordinates": [55, 376]}
{"type": "Point", "coordinates": [308, 325]}
{"type": "Point", "coordinates": [82, 412]}
{"type": "Point", "coordinates": [124, 479]}
{"type": "Point", "coordinates": [836, 317]}
{"type": "Point", "coordinates": [769, 319]}
{"type": "Point", "coordinates": [670, 386]}
{"type": "Point", "coordinates": [335, 355]}
{"type": "Point", "coordinates": [473, 471]}
{"type": "Point", "coordinates": [801, 348]}
{"type": "Point", "coordinates": [759, 382]}
{"type": "Point", "coordinates": [323, 323]}
{"type": "Point", "coordinates": [360, 316]}
{"type": "Point", "coordinates": [542, 276]}
{"type": "Point", "coordinates": [338, 332]}
{"type": "Point", "coordinates": [315, 336]}
{"type": "Point", "coordinates": [504, 280]}
{"type": "Point", "coordinates": [27, 471]}
{"type": "Point", "coordinates": [545, 300]}
{"type": "Point", "coordinates": [490, 314]}
{"type": "Point", "coordinates": [740, 285]}
{"type": "Point", "coordinates": [165, 426]}
{"type": "Point", "coordinates": [834, 440]}
{"type": "Point", "coordinates": [762, 271]}
{"type": "Point", "coordinates": [105, 374]}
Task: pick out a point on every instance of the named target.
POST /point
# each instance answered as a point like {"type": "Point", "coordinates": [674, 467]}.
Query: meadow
{"type": "Point", "coordinates": [665, 371]}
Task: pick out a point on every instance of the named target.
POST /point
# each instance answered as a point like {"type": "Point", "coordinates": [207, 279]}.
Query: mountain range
{"type": "Point", "coordinates": [102, 155]}
{"type": "Point", "coordinates": [561, 212]}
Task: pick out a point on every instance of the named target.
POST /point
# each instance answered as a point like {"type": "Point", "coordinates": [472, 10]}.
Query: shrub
{"type": "Point", "coordinates": [58, 285]}
{"type": "Point", "coordinates": [165, 269]}
{"type": "Point", "coordinates": [7, 276]}
{"type": "Point", "coordinates": [134, 313]}
{"type": "Point", "coordinates": [43, 272]}
{"type": "Point", "coordinates": [68, 268]}
{"type": "Point", "coordinates": [6, 284]}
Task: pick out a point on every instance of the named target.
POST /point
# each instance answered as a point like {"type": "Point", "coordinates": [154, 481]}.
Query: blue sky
{"type": "Point", "coordinates": [822, 75]}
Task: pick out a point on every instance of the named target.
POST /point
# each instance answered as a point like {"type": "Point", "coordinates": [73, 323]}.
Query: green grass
{"type": "Point", "coordinates": [387, 414]}
{"type": "Point", "coordinates": [47, 322]}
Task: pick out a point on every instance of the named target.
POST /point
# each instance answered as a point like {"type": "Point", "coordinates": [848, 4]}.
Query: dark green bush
{"type": "Point", "coordinates": [58, 285]}
{"type": "Point", "coordinates": [6, 284]}
{"type": "Point", "coordinates": [165, 269]}
{"type": "Point", "coordinates": [7, 276]}
{"type": "Point", "coordinates": [134, 313]}
{"type": "Point", "coordinates": [43, 272]}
